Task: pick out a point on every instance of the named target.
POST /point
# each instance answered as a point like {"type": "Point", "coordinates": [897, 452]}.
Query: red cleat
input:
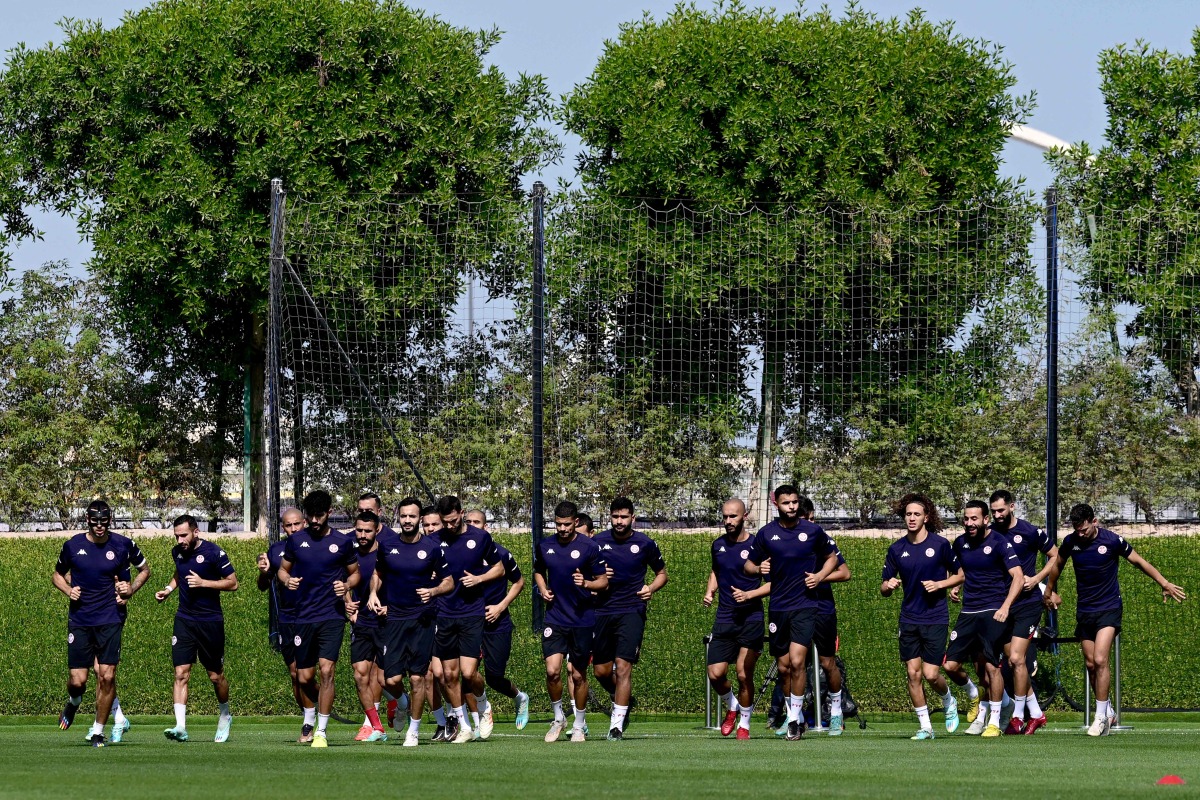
{"type": "Point", "coordinates": [1015, 727]}
{"type": "Point", "coordinates": [1034, 724]}
{"type": "Point", "coordinates": [391, 713]}
{"type": "Point", "coordinates": [729, 723]}
{"type": "Point", "coordinates": [743, 734]}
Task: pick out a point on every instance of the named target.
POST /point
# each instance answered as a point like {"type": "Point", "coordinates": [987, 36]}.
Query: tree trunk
{"type": "Point", "coordinates": [768, 425]}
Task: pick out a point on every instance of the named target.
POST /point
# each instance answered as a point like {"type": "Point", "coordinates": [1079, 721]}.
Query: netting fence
{"type": "Point", "coordinates": [688, 353]}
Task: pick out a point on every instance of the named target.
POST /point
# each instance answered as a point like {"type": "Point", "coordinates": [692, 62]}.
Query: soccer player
{"type": "Point", "coordinates": [992, 581]}
{"type": "Point", "coordinates": [477, 518]}
{"type": "Point", "coordinates": [202, 572]}
{"type": "Point", "coordinates": [737, 632]}
{"type": "Point", "coordinates": [585, 525]}
{"type": "Point", "coordinates": [1027, 610]}
{"type": "Point", "coordinates": [409, 573]}
{"type": "Point", "coordinates": [567, 568]}
{"type": "Point", "coordinates": [825, 636]}
{"type": "Point", "coordinates": [268, 570]}
{"type": "Point", "coordinates": [621, 607]}
{"type": "Point", "coordinates": [923, 563]}
{"type": "Point", "coordinates": [797, 557]}
{"type": "Point", "coordinates": [458, 641]}
{"type": "Point", "coordinates": [497, 645]}
{"type": "Point", "coordinates": [366, 638]}
{"type": "Point", "coordinates": [369, 501]}
{"type": "Point", "coordinates": [319, 565]}
{"type": "Point", "coordinates": [1096, 553]}
{"type": "Point", "coordinates": [447, 722]}
{"type": "Point", "coordinates": [94, 571]}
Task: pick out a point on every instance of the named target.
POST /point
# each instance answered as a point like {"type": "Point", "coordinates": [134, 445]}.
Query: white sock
{"type": "Point", "coordinates": [414, 725]}
{"type": "Point", "coordinates": [366, 721]}
{"type": "Point", "coordinates": [618, 716]}
{"type": "Point", "coordinates": [923, 718]}
{"type": "Point", "coordinates": [1031, 703]}
{"type": "Point", "coordinates": [947, 699]}
{"type": "Point", "coordinates": [481, 702]}
{"type": "Point", "coordinates": [377, 707]}
{"type": "Point", "coordinates": [474, 719]}
{"type": "Point", "coordinates": [744, 713]}
{"type": "Point", "coordinates": [181, 715]}
{"type": "Point", "coordinates": [310, 716]}
{"type": "Point", "coordinates": [439, 716]}
{"type": "Point", "coordinates": [117, 715]}
{"type": "Point", "coordinates": [729, 700]}
{"type": "Point", "coordinates": [461, 713]}
{"type": "Point", "coordinates": [522, 698]}
{"type": "Point", "coordinates": [795, 707]}
{"type": "Point", "coordinates": [223, 710]}
{"type": "Point", "coordinates": [835, 704]}
{"type": "Point", "coordinates": [972, 689]}
{"type": "Point", "coordinates": [97, 728]}
{"type": "Point", "coordinates": [580, 718]}
{"type": "Point", "coordinates": [322, 722]}
{"type": "Point", "coordinates": [559, 716]}
{"type": "Point", "coordinates": [1019, 711]}
{"type": "Point", "coordinates": [994, 713]}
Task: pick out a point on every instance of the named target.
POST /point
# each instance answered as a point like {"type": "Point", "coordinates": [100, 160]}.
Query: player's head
{"type": "Point", "coordinates": [807, 510]}
{"type": "Point", "coordinates": [366, 528]}
{"type": "Point", "coordinates": [918, 512]}
{"type": "Point", "coordinates": [566, 519]}
{"type": "Point", "coordinates": [1083, 519]}
{"type": "Point", "coordinates": [99, 518]}
{"type": "Point", "coordinates": [408, 515]}
{"type": "Point", "coordinates": [975, 517]}
{"type": "Point", "coordinates": [369, 501]}
{"type": "Point", "coordinates": [733, 516]}
{"type": "Point", "coordinates": [1001, 505]}
{"type": "Point", "coordinates": [584, 524]}
{"type": "Point", "coordinates": [316, 505]}
{"type": "Point", "coordinates": [450, 507]}
{"type": "Point", "coordinates": [292, 519]}
{"type": "Point", "coordinates": [476, 518]}
{"type": "Point", "coordinates": [787, 500]}
{"type": "Point", "coordinates": [185, 530]}
{"type": "Point", "coordinates": [621, 515]}
{"type": "Point", "coordinates": [431, 520]}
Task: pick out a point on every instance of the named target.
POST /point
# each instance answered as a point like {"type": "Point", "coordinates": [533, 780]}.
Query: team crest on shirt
{"type": "Point", "coordinates": [1017, 538]}
{"type": "Point", "coordinates": [110, 555]}
{"type": "Point", "coordinates": [420, 554]}
{"type": "Point", "coordinates": [199, 559]}
{"type": "Point", "coordinates": [70, 638]}
{"type": "Point", "coordinates": [772, 627]}
{"type": "Point", "coordinates": [803, 537]}
{"type": "Point", "coordinates": [744, 554]}
{"type": "Point", "coordinates": [548, 632]}
{"type": "Point", "coordinates": [297, 641]}
{"type": "Point", "coordinates": [987, 551]}
{"type": "Point", "coordinates": [953, 635]}
{"type": "Point", "coordinates": [1101, 549]}
{"type": "Point", "coordinates": [634, 549]}
{"type": "Point", "coordinates": [574, 554]}
{"type": "Point", "coordinates": [470, 544]}
{"type": "Point", "coordinates": [333, 548]}
{"type": "Point", "coordinates": [928, 552]}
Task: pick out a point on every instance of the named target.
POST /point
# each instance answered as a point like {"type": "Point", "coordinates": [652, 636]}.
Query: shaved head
{"type": "Point", "coordinates": [735, 504]}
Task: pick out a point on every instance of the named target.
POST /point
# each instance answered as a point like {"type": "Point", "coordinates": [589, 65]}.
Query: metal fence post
{"type": "Point", "coordinates": [537, 502]}
{"type": "Point", "coordinates": [1052, 364]}
{"type": "Point", "coordinates": [274, 332]}
{"type": "Point", "coordinates": [1117, 686]}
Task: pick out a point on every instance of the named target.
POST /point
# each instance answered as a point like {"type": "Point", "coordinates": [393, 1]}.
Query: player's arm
{"type": "Point", "coordinates": [492, 613]}
{"type": "Point", "coordinates": [165, 592]}
{"type": "Point", "coordinates": [353, 576]}
{"type": "Point", "coordinates": [949, 582]}
{"type": "Point", "coordinates": [1033, 580]}
{"type": "Point", "coordinates": [596, 584]}
{"type": "Point", "coordinates": [763, 590]}
{"type": "Point", "coordinates": [373, 587]}
{"type": "Point", "coordinates": [814, 579]}
{"type": "Point", "coordinates": [1170, 591]}
{"type": "Point", "coordinates": [227, 583]}
{"type": "Point", "coordinates": [264, 572]}
{"type": "Point", "coordinates": [1014, 591]}
{"type": "Point", "coordinates": [660, 580]}
{"type": "Point", "coordinates": [839, 575]}
{"type": "Point", "coordinates": [539, 580]}
{"type": "Point", "coordinates": [493, 572]}
{"type": "Point", "coordinates": [890, 580]}
{"type": "Point", "coordinates": [63, 584]}
{"type": "Point", "coordinates": [139, 580]}
{"type": "Point", "coordinates": [284, 574]}
{"type": "Point", "coordinates": [445, 587]}
{"type": "Point", "coordinates": [710, 590]}
{"type": "Point", "coordinates": [1051, 598]}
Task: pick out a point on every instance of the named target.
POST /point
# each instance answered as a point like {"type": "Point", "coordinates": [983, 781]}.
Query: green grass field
{"type": "Point", "coordinates": [658, 759]}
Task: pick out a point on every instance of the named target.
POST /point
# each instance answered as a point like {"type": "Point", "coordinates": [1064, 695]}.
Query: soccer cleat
{"type": "Point", "coordinates": [1097, 727]}
{"type": "Point", "coordinates": [578, 735]}
{"type": "Point", "coordinates": [486, 724]}
{"type": "Point", "coordinates": [973, 711]}
{"type": "Point", "coordinates": [452, 726]}
{"type": "Point", "coordinates": [306, 734]}
{"type": "Point", "coordinates": [522, 710]}
{"type": "Point", "coordinates": [952, 716]}
{"type": "Point", "coordinates": [319, 740]}
{"type": "Point", "coordinates": [118, 731]}
{"type": "Point", "coordinates": [922, 735]}
{"type": "Point", "coordinates": [67, 717]}
{"type": "Point", "coordinates": [615, 735]}
{"type": "Point", "coordinates": [97, 740]}
{"type": "Point", "coordinates": [1034, 724]}
{"type": "Point", "coordinates": [782, 729]}
{"type": "Point", "coordinates": [222, 734]}
{"type": "Point", "coordinates": [795, 730]}
{"type": "Point", "coordinates": [1006, 712]}
{"type": "Point", "coordinates": [376, 736]}
{"type": "Point", "coordinates": [464, 735]}
{"type": "Point", "coordinates": [439, 735]}
{"type": "Point", "coordinates": [836, 725]}
{"type": "Point", "coordinates": [729, 723]}
{"type": "Point", "coordinates": [411, 739]}
{"type": "Point", "coordinates": [977, 726]}
{"type": "Point", "coordinates": [391, 714]}
{"type": "Point", "coordinates": [363, 733]}
{"type": "Point", "coordinates": [743, 734]}
{"type": "Point", "coordinates": [176, 734]}
{"type": "Point", "coordinates": [991, 732]}
{"type": "Point", "coordinates": [556, 729]}
{"type": "Point", "coordinates": [1015, 727]}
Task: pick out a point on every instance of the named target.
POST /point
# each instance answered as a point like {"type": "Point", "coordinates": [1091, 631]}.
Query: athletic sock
{"type": "Point", "coordinates": [618, 716]}
{"type": "Point", "coordinates": [118, 716]}
{"type": "Point", "coordinates": [580, 718]}
{"type": "Point", "coordinates": [835, 704]}
{"type": "Point", "coordinates": [972, 689]}
{"type": "Point", "coordinates": [474, 719]}
{"type": "Point", "coordinates": [366, 720]}
{"type": "Point", "coordinates": [97, 728]}
{"type": "Point", "coordinates": [947, 698]}
{"type": "Point", "coordinates": [322, 722]}
{"type": "Point", "coordinates": [521, 697]}
{"type": "Point", "coordinates": [373, 719]}
{"type": "Point", "coordinates": [481, 702]}
{"type": "Point", "coordinates": [439, 716]}
{"type": "Point", "coordinates": [923, 718]}
{"type": "Point", "coordinates": [310, 716]}
{"type": "Point", "coordinates": [223, 710]}
{"type": "Point", "coordinates": [402, 700]}
{"type": "Point", "coordinates": [1019, 710]}
{"type": "Point", "coordinates": [1031, 703]}
{"type": "Point", "coordinates": [75, 701]}
{"type": "Point", "coordinates": [994, 715]}
{"type": "Point", "coordinates": [744, 713]}
{"type": "Point", "coordinates": [389, 696]}
{"type": "Point", "coordinates": [729, 701]}
{"type": "Point", "coordinates": [559, 716]}
{"type": "Point", "coordinates": [181, 715]}
{"type": "Point", "coordinates": [414, 725]}
{"type": "Point", "coordinates": [1006, 700]}
{"type": "Point", "coordinates": [795, 707]}
{"type": "Point", "coordinates": [461, 713]}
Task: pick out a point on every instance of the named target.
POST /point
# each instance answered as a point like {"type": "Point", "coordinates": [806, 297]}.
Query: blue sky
{"type": "Point", "coordinates": [1052, 45]}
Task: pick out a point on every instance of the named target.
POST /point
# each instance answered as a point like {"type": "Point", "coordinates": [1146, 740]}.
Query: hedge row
{"type": "Point", "coordinates": [1161, 665]}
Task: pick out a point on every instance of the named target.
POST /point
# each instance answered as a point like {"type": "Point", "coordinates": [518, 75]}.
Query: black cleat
{"type": "Point", "coordinates": [98, 740]}
{"type": "Point", "coordinates": [68, 716]}
{"type": "Point", "coordinates": [795, 731]}
{"type": "Point", "coordinates": [440, 734]}
{"type": "Point", "coordinates": [616, 735]}
{"type": "Point", "coordinates": [306, 734]}
{"type": "Point", "coordinates": [451, 729]}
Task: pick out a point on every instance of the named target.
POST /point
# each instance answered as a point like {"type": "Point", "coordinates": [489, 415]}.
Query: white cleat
{"type": "Point", "coordinates": [556, 729]}
{"type": "Point", "coordinates": [486, 724]}
{"type": "Point", "coordinates": [976, 727]}
{"type": "Point", "coordinates": [411, 739]}
{"type": "Point", "coordinates": [465, 734]}
{"type": "Point", "coordinates": [577, 735]}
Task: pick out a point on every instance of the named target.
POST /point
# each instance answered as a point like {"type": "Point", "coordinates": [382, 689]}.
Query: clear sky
{"type": "Point", "coordinates": [1052, 45]}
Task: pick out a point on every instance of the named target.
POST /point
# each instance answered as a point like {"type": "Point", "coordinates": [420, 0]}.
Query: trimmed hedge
{"type": "Point", "coordinates": [1161, 666]}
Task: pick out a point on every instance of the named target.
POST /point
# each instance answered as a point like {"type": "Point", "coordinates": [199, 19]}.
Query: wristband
{"type": "Point", "coordinates": [168, 588]}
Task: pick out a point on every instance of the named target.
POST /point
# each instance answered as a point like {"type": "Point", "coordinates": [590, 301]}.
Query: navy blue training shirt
{"type": "Point", "coordinates": [985, 562]}
{"type": "Point", "coordinates": [1097, 562]}
{"type": "Point", "coordinates": [318, 562]}
{"type": "Point", "coordinates": [929, 560]}
{"type": "Point", "coordinates": [1028, 541]}
{"type": "Point", "coordinates": [473, 551]}
{"type": "Point", "coordinates": [94, 569]}
{"type": "Point", "coordinates": [573, 605]}
{"type": "Point", "coordinates": [494, 591]}
{"type": "Point", "coordinates": [728, 564]}
{"type": "Point", "coordinates": [366, 568]}
{"type": "Point", "coordinates": [629, 560]}
{"type": "Point", "coordinates": [793, 552]}
{"type": "Point", "coordinates": [209, 562]}
{"type": "Point", "coordinates": [405, 567]}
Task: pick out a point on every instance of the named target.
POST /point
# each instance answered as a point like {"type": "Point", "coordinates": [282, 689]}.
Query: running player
{"type": "Point", "coordinates": [319, 565]}
{"type": "Point", "coordinates": [585, 525]}
{"type": "Point", "coordinates": [797, 557]}
{"type": "Point", "coordinates": [366, 638]}
{"type": "Point", "coordinates": [1096, 553]}
{"type": "Point", "coordinates": [409, 574]}
{"type": "Point", "coordinates": [497, 645]}
{"type": "Point", "coordinates": [1027, 610]}
{"type": "Point", "coordinates": [737, 633]}
{"type": "Point", "coordinates": [567, 569]}
{"type": "Point", "coordinates": [924, 564]}
{"type": "Point", "coordinates": [825, 636]}
{"type": "Point", "coordinates": [369, 501]}
{"type": "Point", "coordinates": [94, 571]}
{"type": "Point", "coordinates": [621, 607]}
{"type": "Point", "coordinates": [202, 572]}
{"type": "Point", "coordinates": [992, 582]}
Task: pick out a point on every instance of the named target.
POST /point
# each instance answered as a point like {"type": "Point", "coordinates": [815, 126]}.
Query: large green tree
{"type": "Point", "coordinates": [820, 191]}
{"type": "Point", "coordinates": [161, 136]}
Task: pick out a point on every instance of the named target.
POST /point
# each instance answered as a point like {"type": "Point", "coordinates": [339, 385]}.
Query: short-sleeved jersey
{"type": "Point", "coordinates": [1028, 541]}
{"type": "Point", "coordinates": [1097, 562]}
{"type": "Point", "coordinates": [825, 602]}
{"type": "Point", "coordinates": [285, 601]}
{"type": "Point", "coordinates": [209, 562]}
{"type": "Point", "coordinates": [793, 553]}
{"type": "Point", "coordinates": [729, 565]}
{"type": "Point", "coordinates": [929, 560]}
{"type": "Point", "coordinates": [94, 569]}
{"type": "Point", "coordinates": [472, 551]}
{"type": "Point", "coordinates": [573, 606]}
{"type": "Point", "coordinates": [366, 618]}
{"type": "Point", "coordinates": [629, 558]}
{"type": "Point", "coordinates": [494, 591]}
{"type": "Point", "coordinates": [318, 562]}
{"type": "Point", "coordinates": [985, 562]}
{"type": "Point", "coordinates": [403, 568]}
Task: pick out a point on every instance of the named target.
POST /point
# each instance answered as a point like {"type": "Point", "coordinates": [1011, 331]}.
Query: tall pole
{"type": "Point", "coordinates": [274, 332]}
{"type": "Point", "coordinates": [1052, 364]}
{"type": "Point", "coordinates": [539, 357]}
{"type": "Point", "coordinates": [247, 452]}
